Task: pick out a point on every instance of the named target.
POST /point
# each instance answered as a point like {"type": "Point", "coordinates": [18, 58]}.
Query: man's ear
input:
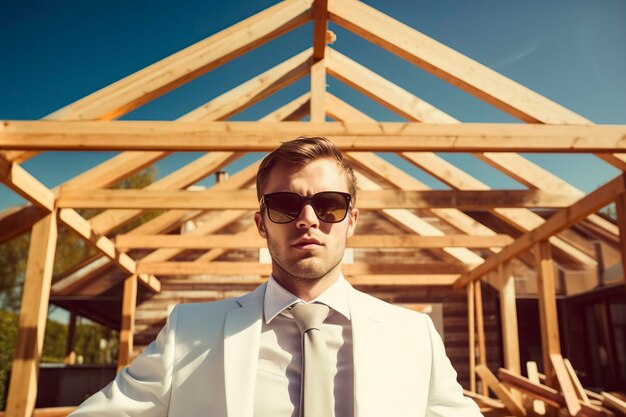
{"type": "Point", "coordinates": [260, 224]}
{"type": "Point", "coordinates": [353, 217]}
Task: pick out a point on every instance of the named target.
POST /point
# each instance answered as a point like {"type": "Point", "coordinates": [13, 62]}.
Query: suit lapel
{"type": "Point", "coordinates": [242, 332]}
{"type": "Point", "coordinates": [368, 339]}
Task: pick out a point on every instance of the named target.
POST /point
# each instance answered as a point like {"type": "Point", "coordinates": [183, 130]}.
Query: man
{"type": "Point", "coordinates": [243, 357]}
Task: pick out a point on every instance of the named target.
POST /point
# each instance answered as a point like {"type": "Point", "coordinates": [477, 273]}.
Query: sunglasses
{"type": "Point", "coordinates": [285, 207]}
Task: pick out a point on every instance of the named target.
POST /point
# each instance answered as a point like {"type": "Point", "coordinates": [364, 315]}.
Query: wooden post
{"type": "Point", "coordinates": [129, 303]}
{"type": "Point", "coordinates": [318, 91]}
{"type": "Point", "coordinates": [550, 343]}
{"type": "Point", "coordinates": [70, 353]}
{"type": "Point", "coordinates": [482, 351]}
{"type": "Point", "coordinates": [620, 209]}
{"type": "Point", "coordinates": [33, 315]}
{"type": "Point", "coordinates": [471, 314]}
{"type": "Point", "coordinates": [508, 315]}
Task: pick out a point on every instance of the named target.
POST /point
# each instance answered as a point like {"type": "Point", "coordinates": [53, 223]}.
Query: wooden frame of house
{"type": "Point", "coordinates": [89, 124]}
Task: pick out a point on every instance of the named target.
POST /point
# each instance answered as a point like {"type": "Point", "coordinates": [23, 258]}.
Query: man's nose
{"type": "Point", "coordinates": [307, 218]}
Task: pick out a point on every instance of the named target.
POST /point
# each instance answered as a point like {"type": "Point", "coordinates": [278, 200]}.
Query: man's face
{"type": "Point", "coordinates": [306, 248]}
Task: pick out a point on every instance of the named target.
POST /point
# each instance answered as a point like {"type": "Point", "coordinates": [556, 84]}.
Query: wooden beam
{"type": "Point", "coordinates": [82, 227]}
{"type": "Point", "coordinates": [254, 90]}
{"type": "Point", "coordinates": [127, 327]}
{"type": "Point", "coordinates": [448, 64]}
{"type": "Point", "coordinates": [523, 220]}
{"type": "Point", "coordinates": [292, 111]}
{"type": "Point", "coordinates": [501, 392]}
{"type": "Point", "coordinates": [151, 82]}
{"type": "Point", "coordinates": [318, 91]}
{"type": "Point", "coordinates": [538, 406]}
{"type": "Point", "coordinates": [620, 209]}
{"type": "Point", "coordinates": [154, 198]}
{"type": "Point", "coordinates": [33, 316]}
{"type": "Point", "coordinates": [480, 330]}
{"type": "Point", "coordinates": [380, 169]}
{"type": "Point", "coordinates": [320, 27]}
{"type": "Point", "coordinates": [191, 173]}
{"type": "Point", "coordinates": [381, 90]}
{"type": "Point", "coordinates": [15, 221]}
{"type": "Point", "coordinates": [548, 317]}
{"type": "Point", "coordinates": [580, 390]}
{"type": "Point", "coordinates": [19, 180]}
{"type": "Point", "coordinates": [133, 241]}
{"type": "Point", "coordinates": [471, 331]}
{"type": "Point", "coordinates": [559, 221]}
{"type": "Point", "coordinates": [567, 387]}
{"type": "Point", "coordinates": [508, 318]}
{"type": "Point", "coordinates": [376, 280]}
{"type": "Point", "coordinates": [255, 136]}
{"type": "Point", "coordinates": [547, 394]}
{"type": "Point", "coordinates": [614, 402]}
{"type": "Point", "coordinates": [255, 268]}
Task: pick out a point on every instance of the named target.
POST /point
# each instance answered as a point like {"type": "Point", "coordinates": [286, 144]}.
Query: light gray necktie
{"type": "Point", "coordinates": [316, 398]}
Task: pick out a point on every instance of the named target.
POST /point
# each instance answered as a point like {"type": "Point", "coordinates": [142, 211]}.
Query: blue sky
{"type": "Point", "coordinates": [571, 51]}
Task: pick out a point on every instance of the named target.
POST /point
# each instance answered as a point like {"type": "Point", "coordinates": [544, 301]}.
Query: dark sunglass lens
{"type": "Point", "coordinates": [284, 208]}
{"type": "Point", "coordinates": [330, 207]}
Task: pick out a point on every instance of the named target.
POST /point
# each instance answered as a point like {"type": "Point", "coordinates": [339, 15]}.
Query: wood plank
{"type": "Point", "coordinates": [380, 169]}
{"type": "Point", "coordinates": [411, 107]}
{"type": "Point", "coordinates": [614, 402]}
{"type": "Point", "coordinates": [561, 220]}
{"type": "Point", "coordinates": [82, 227]}
{"type": "Point", "coordinates": [127, 327]}
{"type": "Point", "coordinates": [548, 316]}
{"type": "Point", "coordinates": [414, 223]}
{"type": "Point", "coordinates": [567, 387]}
{"type": "Point", "coordinates": [448, 64]}
{"type": "Point", "coordinates": [15, 221]}
{"type": "Point", "coordinates": [501, 392]}
{"type": "Point", "coordinates": [33, 316]}
{"type": "Point", "coordinates": [381, 90]}
{"type": "Point", "coordinates": [545, 393]}
{"type": "Point", "coordinates": [151, 82]}
{"type": "Point", "coordinates": [255, 268]}
{"type": "Point", "coordinates": [539, 407]}
{"type": "Point", "coordinates": [253, 136]}
{"type": "Point", "coordinates": [508, 318]}
{"type": "Point", "coordinates": [320, 27]}
{"type": "Point", "coordinates": [524, 220]}
{"type": "Point", "coordinates": [318, 91]}
{"type": "Point", "coordinates": [399, 280]}
{"type": "Point", "coordinates": [133, 241]}
{"type": "Point", "coordinates": [254, 90]}
{"type": "Point", "coordinates": [294, 110]}
{"type": "Point", "coordinates": [620, 209]}
{"type": "Point", "coordinates": [157, 198]}
{"type": "Point", "coordinates": [194, 171]}
{"type": "Point", "coordinates": [471, 330]}
{"type": "Point", "coordinates": [580, 390]}
{"type": "Point", "coordinates": [480, 330]}
{"type": "Point", "coordinates": [19, 180]}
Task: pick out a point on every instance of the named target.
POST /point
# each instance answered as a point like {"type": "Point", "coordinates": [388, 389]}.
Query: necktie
{"type": "Point", "coordinates": [316, 399]}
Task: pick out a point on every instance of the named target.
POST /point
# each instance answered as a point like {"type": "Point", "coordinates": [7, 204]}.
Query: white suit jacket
{"type": "Point", "coordinates": [203, 363]}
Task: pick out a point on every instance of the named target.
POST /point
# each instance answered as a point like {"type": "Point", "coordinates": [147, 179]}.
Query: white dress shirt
{"type": "Point", "coordinates": [277, 389]}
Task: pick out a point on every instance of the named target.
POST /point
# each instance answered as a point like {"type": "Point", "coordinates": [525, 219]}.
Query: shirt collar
{"type": "Point", "coordinates": [277, 298]}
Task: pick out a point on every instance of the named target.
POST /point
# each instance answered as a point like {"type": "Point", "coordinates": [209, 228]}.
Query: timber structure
{"type": "Point", "coordinates": [481, 254]}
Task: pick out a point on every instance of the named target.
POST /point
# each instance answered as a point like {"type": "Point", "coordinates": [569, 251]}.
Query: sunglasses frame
{"type": "Point", "coordinates": [306, 200]}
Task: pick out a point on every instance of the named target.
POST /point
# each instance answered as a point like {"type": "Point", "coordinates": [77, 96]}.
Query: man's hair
{"type": "Point", "coordinates": [302, 151]}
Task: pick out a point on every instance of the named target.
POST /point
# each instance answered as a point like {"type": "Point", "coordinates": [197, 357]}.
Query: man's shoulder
{"type": "Point", "coordinates": [384, 309]}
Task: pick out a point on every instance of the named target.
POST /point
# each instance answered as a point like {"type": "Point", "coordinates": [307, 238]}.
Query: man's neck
{"type": "Point", "coordinates": [306, 289]}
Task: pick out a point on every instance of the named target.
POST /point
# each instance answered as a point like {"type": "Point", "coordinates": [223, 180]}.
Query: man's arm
{"type": "Point", "coordinates": [143, 389]}
{"type": "Point", "coordinates": [445, 396]}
